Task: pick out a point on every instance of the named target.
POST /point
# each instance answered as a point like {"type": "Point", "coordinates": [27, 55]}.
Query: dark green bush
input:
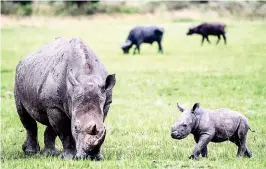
{"type": "Point", "coordinates": [21, 8]}
{"type": "Point", "coordinates": [243, 9]}
{"type": "Point", "coordinates": [8, 8]}
{"type": "Point", "coordinates": [25, 10]}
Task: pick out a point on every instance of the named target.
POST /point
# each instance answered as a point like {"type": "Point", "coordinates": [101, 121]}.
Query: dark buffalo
{"type": "Point", "coordinates": [141, 34]}
{"type": "Point", "coordinates": [207, 29]}
{"type": "Point", "coordinates": [64, 86]}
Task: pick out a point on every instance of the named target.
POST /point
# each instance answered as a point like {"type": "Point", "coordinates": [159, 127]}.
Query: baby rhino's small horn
{"type": "Point", "coordinates": [180, 108]}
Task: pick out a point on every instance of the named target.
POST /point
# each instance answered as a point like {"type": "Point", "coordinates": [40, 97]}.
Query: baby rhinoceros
{"type": "Point", "coordinates": [212, 126]}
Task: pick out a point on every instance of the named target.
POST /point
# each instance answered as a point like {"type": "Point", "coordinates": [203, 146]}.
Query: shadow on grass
{"type": "Point", "coordinates": [20, 155]}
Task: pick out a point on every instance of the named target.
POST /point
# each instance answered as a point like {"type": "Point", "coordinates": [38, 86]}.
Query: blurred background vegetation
{"type": "Point", "coordinates": [243, 9]}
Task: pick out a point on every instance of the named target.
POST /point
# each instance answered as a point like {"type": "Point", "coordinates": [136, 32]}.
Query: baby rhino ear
{"type": "Point", "coordinates": [110, 82]}
{"type": "Point", "coordinates": [195, 107]}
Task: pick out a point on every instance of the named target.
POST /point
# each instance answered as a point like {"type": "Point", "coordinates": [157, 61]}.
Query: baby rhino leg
{"type": "Point", "coordinates": [201, 145]}
{"type": "Point", "coordinates": [240, 140]}
{"type": "Point", "coordinates": [248, 152]}
{"type": "Point", "coordinates": [204, 151]}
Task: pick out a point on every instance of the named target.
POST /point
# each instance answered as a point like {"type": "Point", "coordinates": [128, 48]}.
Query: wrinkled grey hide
{"type": "Point", "coordinates": [64, 86]}
{"type": "Point", "coordinates": [212, 126]}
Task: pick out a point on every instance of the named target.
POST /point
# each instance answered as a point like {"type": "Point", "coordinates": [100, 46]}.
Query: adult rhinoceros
{"type": "Point", "coordinates": [64, 86]}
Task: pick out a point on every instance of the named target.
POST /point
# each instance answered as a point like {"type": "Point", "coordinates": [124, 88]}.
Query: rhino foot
{"type": "Point", "coordinates": [98, 157]}
{"type": "Point", "coordinates": [31, 147]}
{"type": "Point", "coordinates": [67, 154]}
{"type": "Point", "coordinates": [248, 153]}
{"type": "Point", "coordinates": [193, 157]}
{"type": "Point", "coordinates": [50, 151]}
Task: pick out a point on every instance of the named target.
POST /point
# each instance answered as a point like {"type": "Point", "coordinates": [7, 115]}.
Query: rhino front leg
{"type": "Point", "coordinates": [49, 141]}
{"type": "Point", "coordinates": [202, 143]}
{"type": "Point", "coordinates": [204, 152]}
{"type": "Point", "coordinates": [62, 126]}
{"type": "Point", "coordinates": [97, 156]}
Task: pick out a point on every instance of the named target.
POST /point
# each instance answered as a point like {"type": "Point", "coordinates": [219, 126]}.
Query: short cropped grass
{"type": "Point", "coordinates": [147, 90]}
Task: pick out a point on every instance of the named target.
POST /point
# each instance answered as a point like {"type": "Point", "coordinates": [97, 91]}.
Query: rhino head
{"type": "Point", "coordinates": [185, 122]}
{"type": "Point", "coordinates": [89, 103]}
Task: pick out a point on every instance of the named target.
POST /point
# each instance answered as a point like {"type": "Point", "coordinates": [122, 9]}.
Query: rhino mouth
{"type": "Point", "coordinates": [92, 146]}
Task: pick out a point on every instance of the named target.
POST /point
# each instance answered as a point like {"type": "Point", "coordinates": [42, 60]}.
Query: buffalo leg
{"type": "Point", "coordinates": [138, 48]}
{"type": "Point", "coordinates": [208, 40]}
{"type": "Point", "coordinates": [31, 144]}
{"type": "Point", "coordinates": [160, 47]}
{"type": "Point", "coordinates": [224, 37]}
{"type": "Point", "coordinates": [61, 125]}
{"type": "Point", "coordinates": [218, 39]}
{"type": "Point", "coordinates": [134, 52]}
{"type": "Point", "coordinates": [49, 141]}
{"type": "Point", "coordinates": [202, 40]}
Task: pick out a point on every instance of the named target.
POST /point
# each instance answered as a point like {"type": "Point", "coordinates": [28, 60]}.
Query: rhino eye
{"type": "Point", "coordinates": [185, 125]}
{"type": "Point", "coordinates": [77, 129]}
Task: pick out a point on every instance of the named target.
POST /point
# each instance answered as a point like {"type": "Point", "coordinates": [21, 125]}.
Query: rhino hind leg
{"type": "Point", "coordinates": [61, 125]}
{"type": "Point", "coordinates": [240, 140]}
{"type": "Point", "coordinates": [248, 152]}
{"type": "Point", "coordinates": [31, 144]}
{"type": "Point", "coordinates": [49, 141]}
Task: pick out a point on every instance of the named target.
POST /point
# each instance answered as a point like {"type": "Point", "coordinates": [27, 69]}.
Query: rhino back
{"type": "Point", "coordinates": [226, 123]}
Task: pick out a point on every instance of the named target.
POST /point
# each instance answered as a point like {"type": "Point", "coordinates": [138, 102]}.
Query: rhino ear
{"type": "Point", "coordinates": [180, 108]}
{"type": "Point", "coordinates": [72, 79]}
{"type": "Point", "coordinates": [110, 82]}
{"type": "Point", "coordinates": [195, 107]}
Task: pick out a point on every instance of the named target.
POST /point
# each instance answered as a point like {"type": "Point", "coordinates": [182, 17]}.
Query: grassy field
{"type": "Point", "coordinates": [148, 87]}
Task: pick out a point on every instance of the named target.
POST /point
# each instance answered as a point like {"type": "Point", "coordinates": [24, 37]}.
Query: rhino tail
{"type": "Point", "coordinates": [251, 130]}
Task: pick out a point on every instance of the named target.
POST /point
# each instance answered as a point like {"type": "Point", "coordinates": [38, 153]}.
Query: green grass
{"type": "Point", "coordinates": [148, 87]}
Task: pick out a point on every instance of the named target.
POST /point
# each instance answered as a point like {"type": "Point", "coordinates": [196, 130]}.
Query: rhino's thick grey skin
{"type": "Point", "coordinates": [212, 126]}
{"type": "Point", "coordinates": [64, 86]}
